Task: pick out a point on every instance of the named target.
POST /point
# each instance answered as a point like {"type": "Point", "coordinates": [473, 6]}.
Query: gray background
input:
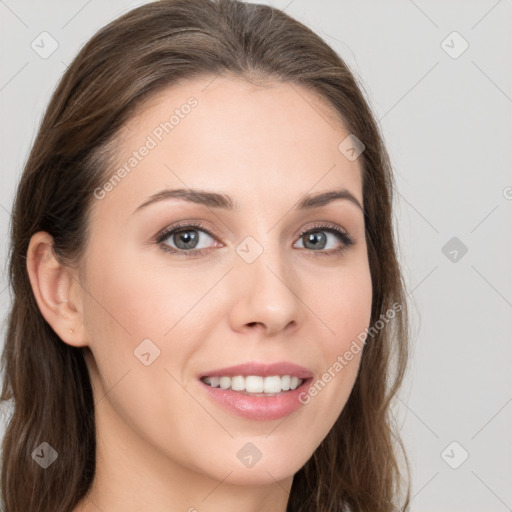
{"type": "Point", "coordinates": [447, 125]}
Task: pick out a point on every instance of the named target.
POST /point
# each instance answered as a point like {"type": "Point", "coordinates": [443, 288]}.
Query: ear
{"type": "Point", "coordinates": [56, 289]}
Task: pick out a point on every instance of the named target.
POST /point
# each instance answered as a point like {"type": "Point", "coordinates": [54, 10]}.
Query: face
{"type": "Point", "coordinates": [182, 287]}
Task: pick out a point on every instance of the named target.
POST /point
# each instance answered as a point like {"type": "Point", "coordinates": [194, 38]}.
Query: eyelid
{"type": "Point", "coordinates": [325, 225]}
{"type": "Point", "coordinates": [165, 232]}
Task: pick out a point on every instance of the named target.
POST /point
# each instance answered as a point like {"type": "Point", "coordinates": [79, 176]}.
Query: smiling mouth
{"type": "Point", "coordinates": [255, 385]}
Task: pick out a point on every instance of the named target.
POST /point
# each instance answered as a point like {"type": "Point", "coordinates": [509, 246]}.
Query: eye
{"type": "Point", "coordinates": [315, 239]}
{"type": "Point", "coordinates": [184, 239]}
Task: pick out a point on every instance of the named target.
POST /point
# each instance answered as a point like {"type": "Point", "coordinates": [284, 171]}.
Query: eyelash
{"type": "Point", "coordinates": [346, 239]}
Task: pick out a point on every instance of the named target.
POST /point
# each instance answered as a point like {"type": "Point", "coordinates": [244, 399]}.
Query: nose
{"type": "Point", "coordinates": [267, 294]}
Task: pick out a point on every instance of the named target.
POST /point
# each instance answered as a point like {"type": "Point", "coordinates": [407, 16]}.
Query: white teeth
{"type": "Point", "coordinates": [285, 382]}
{"type": "Point", "coordinates": [272, 384]}
{"type": "Point", "coordinates": [255, 383]}
{"type": "Point", "coordinates": [225, 382]}
{"type": "Point", "coordinates": [238, 383]}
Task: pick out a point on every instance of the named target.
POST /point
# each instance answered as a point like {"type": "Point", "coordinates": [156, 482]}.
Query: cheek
{"type": "Point", "coordinates": [123, 309]}
{"type": "Point", "coordinates": [145, 320]}
{"type": "Point", "coordinates": [344, 308]}
{"type": "Point", "coordinates": [128, 304]}
{"type": "Point", "coordinates": [130, 301]}
{"type": "Point", "coordinates": [343, 302]}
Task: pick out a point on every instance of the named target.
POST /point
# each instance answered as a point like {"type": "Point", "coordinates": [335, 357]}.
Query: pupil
{"type": "Point", "coordinates": [187, 237]}
{"type": "Point", "coordinates": [314, 239]}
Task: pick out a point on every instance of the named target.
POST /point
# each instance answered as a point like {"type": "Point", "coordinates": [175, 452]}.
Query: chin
{"type": "Point", "coordinates": [261, 474]}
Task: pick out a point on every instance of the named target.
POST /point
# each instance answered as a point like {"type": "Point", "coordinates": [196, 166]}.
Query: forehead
{"type": "Point", "coordinates": [260, 144]}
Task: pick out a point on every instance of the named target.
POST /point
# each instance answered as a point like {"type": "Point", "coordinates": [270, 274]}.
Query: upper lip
{"type": "Point", "coordinates": [263, 369]}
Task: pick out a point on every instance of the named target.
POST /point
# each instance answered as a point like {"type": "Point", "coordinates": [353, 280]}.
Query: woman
{"type": "Point", "coordinates": [208, 313]}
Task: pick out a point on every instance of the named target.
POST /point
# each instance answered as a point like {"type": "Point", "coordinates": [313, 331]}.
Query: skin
{"type": "Point", "coordinates": [163, 444]}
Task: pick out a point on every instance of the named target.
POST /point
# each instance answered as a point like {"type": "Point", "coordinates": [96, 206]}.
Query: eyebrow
{"type": "Point", "coordinates": [216, 200]}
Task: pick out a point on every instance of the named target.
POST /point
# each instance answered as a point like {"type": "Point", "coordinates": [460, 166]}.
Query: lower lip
{"type": "Point", "coordinates": [258, 407]}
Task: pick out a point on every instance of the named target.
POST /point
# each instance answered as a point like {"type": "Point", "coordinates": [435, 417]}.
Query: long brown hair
{"type": "Point", "coordinates": [357, 466]}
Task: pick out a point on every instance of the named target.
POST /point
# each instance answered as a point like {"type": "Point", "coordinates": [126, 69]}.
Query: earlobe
{"type": "Point", "coordinates": [54, 286]}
